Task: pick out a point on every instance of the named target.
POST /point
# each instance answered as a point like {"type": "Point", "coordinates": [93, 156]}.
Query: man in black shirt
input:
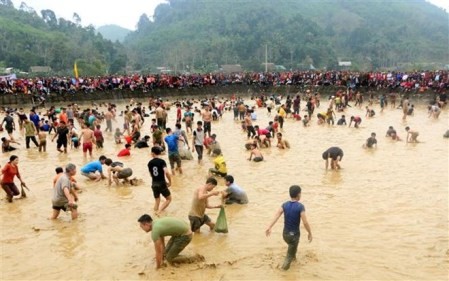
{"type": "Point", "coordinates": [9, 124]}
{"type": "Point", "coordinates": [143, 142]}
{"type": "Point", "coordinates": [62, 133]}
{"type": "Point", "coordinates": [159, 173]}
{"type": "Point", "coordinates": [335, 154]}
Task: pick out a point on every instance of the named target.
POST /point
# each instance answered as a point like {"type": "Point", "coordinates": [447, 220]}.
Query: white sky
{"type": "Point", "coordinates": [123, 13]}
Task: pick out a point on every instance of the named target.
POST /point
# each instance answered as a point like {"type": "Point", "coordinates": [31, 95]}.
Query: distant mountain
{"type": "Point", "coordinates": [113, 32]}
{"type": "Point", "coordinates": [198, 35]}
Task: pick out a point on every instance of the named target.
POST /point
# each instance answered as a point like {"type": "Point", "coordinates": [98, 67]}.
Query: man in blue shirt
{"type": "Point", "coordinates": [90, 169]}
{"type": "Point", "coordinates": [34, 118]}
{"type": "Point", "coordinates": [173, 153]}
{"type": "Point", "coordinates": [293, 212]}
{"type": "Point", "coordinates": [234, 193]}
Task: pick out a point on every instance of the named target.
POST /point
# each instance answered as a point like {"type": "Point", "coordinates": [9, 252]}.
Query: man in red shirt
{"type": "Point", "coordinates": [125, 152]}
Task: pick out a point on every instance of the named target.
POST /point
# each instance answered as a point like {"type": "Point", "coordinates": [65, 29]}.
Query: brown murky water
{"type": "Point", "coordinates": [384, 216]}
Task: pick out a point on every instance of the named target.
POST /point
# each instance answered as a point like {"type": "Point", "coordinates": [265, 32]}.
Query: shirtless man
{"type": "Point", "coordinates": [108, 116]}
{"type": "Point", "coordinates": [249, 144]}
{"type": "Point", "coordinates": [137, 118]}
{"type": "Point", "coordinates": [258, 157]}
{"type": "Point", "coordinates": [188, 118]}
{"type": "Point", "coordinates": [135, 130]}
{"type": "Point", "coordinates": [263, 141]}
{"type": "Point", "coordinates": [411, 135]}
{"type": "Point", "coordinates": [42, 141]}
{"type": "Point", "coordinates": [282, 143]}
{"type": "Point", "coordinates": [126, 121]}
{"type": "Point", "coordinates": [249, 126]}
{"type": "Point", "coordinates": [405, 104]}
{"type": "Point", "coordinates": [200, 202]}
{"type": "Point", "coordinates": [207, 118]}
{"type": "Point", "coordinates": [87, 135]}
{"type": "Point", "coordinates": [393, 100]}
{"type": "Point", "coordinates": [6, 145]}
{"type": "Point", "coordinates": [160, 116]}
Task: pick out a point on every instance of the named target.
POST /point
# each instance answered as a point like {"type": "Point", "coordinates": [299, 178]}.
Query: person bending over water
{"type": "Point", "coordinates": [412, 136]}
{"type": "Point", "coordinates": [335, 154]}
{"type": "Point", "coordinates": [178, 231]}
{"type": "Point", "coordinates": [357, 120]}
{"type": "Point", "coordinates": [90, 169]}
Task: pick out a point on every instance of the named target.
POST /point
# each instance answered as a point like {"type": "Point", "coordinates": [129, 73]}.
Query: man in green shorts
{"type": "Point", "coordinates": [180, 233]}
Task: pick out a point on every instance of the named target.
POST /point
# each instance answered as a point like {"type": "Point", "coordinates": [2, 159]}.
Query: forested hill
{"type": "Point", "coordinates": [198, 35]}
{"type": "Point", "coordinates": [113, 32]}
{"type": "Point", "coordinates": [29, 38]}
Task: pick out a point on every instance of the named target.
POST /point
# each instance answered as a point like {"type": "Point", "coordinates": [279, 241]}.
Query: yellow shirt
{"type": "Point", "coordinates": [282, 112]}
{"type": "Point", "coordinates": [220, 164]}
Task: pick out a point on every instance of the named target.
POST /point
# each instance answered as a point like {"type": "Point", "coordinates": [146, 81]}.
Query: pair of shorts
{"type": "Point", "coordinates": [160, 188]}
{"type": "Point", "coordinates": [66, 207]}
{"type": "Point", "coordinates": [59, 208]}
{"type": "Point", "coordinates": [125, 173]}
{"type": "Point", "coordinates": [197, 222]}
{"type": "Point", "coordinates": [86, 174]}
{"type": "Point", "coordinates": [9, 130]}
{"type": "Point", "coordinates": [207, 127]}
{"type": "Point", "coordinates": [218, 173]}
{"type": "Point", "coordinates": [87, 146]}
{"type": "Point", "coordinates": [60, 143]}
{"type": "Point", "coordinates": [174, 157]}
{"type": "Point", "coordinates": [258, 159]}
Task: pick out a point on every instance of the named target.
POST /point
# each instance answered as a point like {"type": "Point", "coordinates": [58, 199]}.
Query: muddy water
{"type": "Point", "coordinates": [384, 216]}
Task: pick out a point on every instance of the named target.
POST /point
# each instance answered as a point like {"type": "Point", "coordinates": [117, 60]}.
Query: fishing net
{"type": "Point", "coordinates": [222, 224]}
{"type": "Point", "coordinates": [23, 193]}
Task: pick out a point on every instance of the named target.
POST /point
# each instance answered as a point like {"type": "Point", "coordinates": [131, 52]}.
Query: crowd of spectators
{"type": "Point", "coordinates": [423, 80]}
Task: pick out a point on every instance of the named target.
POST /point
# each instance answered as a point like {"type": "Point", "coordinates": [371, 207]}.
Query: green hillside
{"type": "Point", "coordinates": [27, 39]}
{"type": "Point", "coordinates": [113, 32]}
{"type": "Point", "coordinates": [198, 35]}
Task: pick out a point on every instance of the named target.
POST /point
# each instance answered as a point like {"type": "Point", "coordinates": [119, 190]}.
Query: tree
{"type": "Point", "coordinates": [7, 3]}
{"type": "Point", "coordinates": [27, 9]}
{"type": "Point", "coordinates": [143, 22]}
{"type": "Point", "coordinates": [49, 17]}
{"type": "Point", "coordinates": [77, 19]}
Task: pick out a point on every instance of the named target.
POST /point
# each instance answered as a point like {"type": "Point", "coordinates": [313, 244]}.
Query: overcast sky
{"type": "Point", "coordinates": [123, 13]}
